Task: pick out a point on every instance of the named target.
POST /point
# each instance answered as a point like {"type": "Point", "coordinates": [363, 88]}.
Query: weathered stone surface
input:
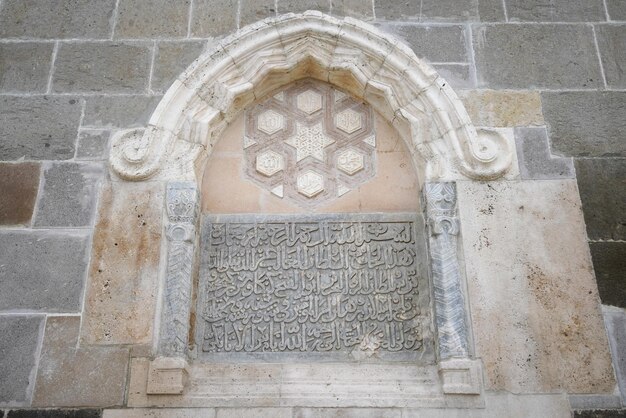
{"type": "Point", "coordinates": [433, 43]}
{"type": "Point", "coordinates": [254, 413]}
{"type": "Point", "coordinates": [152, 18]}
{"type": "Point", "coordinates": [300, 6]}
{"type": "Point", "coordinates": [609, 263]}
{"type": "Point", "coordinates": [595, 401]}
{"type": "Point", "coordinates": [503, 108]}
{"type": "Point", "coordinates": [354, 8]}
{"type": "Point", "coordinates": [458, 75]}
{"type": "Point", "coordinates": [536, 313]}
{"type": "Point", "coordinates": [19, 184]}
{"type": "Point", "coordinates": [254, 10]}
{"type": "Point", "coordinates": [159, 413]}
{"type": "Point", "coordinates": [19, 338]}
{"type": "Point", "coordinates": [535, 160]}
{"type": "Point", "coordinates": [60, 19]}
{"type": "Point", "coordinates": [38, 128]}
{"type": "Point", "coordinates": [108, 67]}
{"type": "Point", "coordinates": [615, 320]}
{"type": "Point", "coordinates": [24, 67]}
{"type": "Point", "coordinates": [54, 413]}
{"type": "Point", "coordinates": [491, 10]}
{"type": "Point", "coordinates": [119, 308]}
{"type": "Point", "coordinates": [612, 45]}
{"type": "Point", "coordinates": [536, 56]}
{"type": "Point", "coordinates": [213, 17]}
{"type": "Point", "coordinates": [119, 111]}
{"type": "Point", "coordinates": [28, 280]}
{"type": "Point", "coordinates": [346, 413]}
{"type": "Point", "coordinates": [616, 9]}
{"type": "Point", "coordinates": [93, 145]}
{"type": "Point", "coordinates": [64, 377]}
{"type": "Point", "coordinates": [448, 10]}
{"type": "Point", "coordinates": [586, 124]}
{"type": "Point", "coordinates": [396, 10]}
{"type": "Point", "coordinates": [603, 193]}
{"type": "Point", "coordinates": [68, 194]}
{"type": "Point", "coordinates": [171, 59]}
{"type": "Point", "coordinates": [555, 10]}
{"type": "Point", "coordinates": [601, 413]}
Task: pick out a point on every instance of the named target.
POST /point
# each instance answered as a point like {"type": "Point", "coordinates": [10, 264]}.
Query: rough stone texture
{"type": "Point", "coordinates": [586, 124]}
{"type": "Point", "coordinates": [19, 337]}
{"type": "Point", "coordinates": [536, 56]}
{"type": "Point", "coordinates": [396, 9]}
{"type": "Point", "coordinates": [124, 261]}
{"type": "Point", "coordinates": [601, 413]}
{"type": "Point", "coordinates": [458, 75]}
{"type": "Point", "coordinates": [535, 160]}
{"type": "Point", "coordinates": [615, 320]}
{"type": "Point", "coordinates": [119, 111]}
{"type": "Point", "coordinates": [503, 108]}
{"type": "Point", "coordinates": [64, 377]}
{"type": "Point", "coordinates": [433, 43]}
{"type": "Point", "coordinates": [254, 10]}
{"type": "Point", "coordinates": [616, 9]}
{"type": "Point", "coordinates": [18, 187]}
{"type": "Point", "coordinates": [28, 281]}
{"type": "Point", "coordinates": [612, 45]}
{"type": "Point", "coordinates": [59, 19]}
{"type": "Point", "coordinates": [152, 18]}
{"type": "Point", "coordinates": [159, 413]}
{"type": "Point", "coordinates": [68, 194]}
{"type": "Point", "coordinates": [491, 10]}
{"type": "Point", "coordinates": [254, 413]}
{"type": "Point", "coordinates": [300, 6]}
{"type": "Point", "coordinates": [448, 10]}
{"type": "Point", "coordinates": [555, 10]}
{"type": "Point", "coordinates": [603, 193]}
{"type": "Point", "coordinates": [609, 263]}
{"type": "Point", "coordinates": [108, 67]}
{"type": "Point", "coordinates": [595, 401]}
{"type": "Point", "coordinates": [533, 330]}
{"type": "Point", "coordinates": [346, 413]}
{"type": "Point", "coordinates": [93, 145]}
{"type": "Point", "coordinates": [38, 128]}
{"type": "Point", "coordinates": [213, 17]}
{"type": "Point", "coordinates": [171, 59]}
{"type": "Point", "coordinates": [357, 9]}
{"type": "Point", "coordinates": [55, 413]}
{"type": "Point", "coordinates": [24, 67]}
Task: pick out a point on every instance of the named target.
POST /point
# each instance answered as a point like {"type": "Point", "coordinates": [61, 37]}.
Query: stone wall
{"type": "Point", "coordinates": [72, 73]}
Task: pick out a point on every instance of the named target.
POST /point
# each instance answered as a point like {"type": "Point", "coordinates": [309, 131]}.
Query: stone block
{"type": "Point", "coordinates": [24, 67]}
{"type": "Point", "coordinates": [28, 281]}
{"type": "Point", "coordinates": [167, 375]}
{"type": "Point", "coordinates": [555, 10]}
{"type": "Point", "coordinates": [119, 111]}
{"type": "Point", "coordinates": [213, 18]}
{"type": "Point", "coordinates": [615, 321]}
{"type": "Point", "coordinates": [346, 413]}
{"type": "Point", "coordinates": [397, 10]}
{"type": "Point", "coordinates": [609, 263]}
{"type": "Point", "coordinates": [19, 184]}
{"type": "Point", "coordinates": [459, 76]}
{"type": "Point", "coordinates": [19, 345]}
{"type": "Point", "coordinates": [616, 9]}
{"type": "Point", "coordinates": [66, 373]}
{"type": "Point", "coordinates": [93, 145]}
{"type": "Point", "coordinates": [105, 67]}
{"type": "Point", "coordinates": [55, 413]}
{"type": "Point", "coordinates": [254, 10]}
{"type": "Point", "coordinates": [254, 413]}
{"type": "Point", "coordinates": [152, 18]}
{"type": "Point", "coordinates": [594, 401]}
{"type": "Point", "coordinates": [503, 108]}
{"type": "Point", "coordinates": [601, 413]}
{"type": "Point", "coordinates": [171, 60]}
{"type": "Point", "coordinates": [300, 6]}
{"type": "Point", "coordinates": [160, 413]}
{"type": "Point", "coordinates": [536, 56]}
{"type": "Point", "coordinates": [59, 19]}
{"type": "Point", "coordinates": [535, 160]}
{"type": "Point", "coordinates": [38, 128]}
{"type": "Point", "coordinates": [433, 43]}
{"type": "Point", "coordinates": [448, 10]}
{"type": "Point", "coordinates": [612, 46]}
{"type": "Point", "coordinates": [124, 265]}
{"type": "Point", "coordinates": [603, 193]}
{"type": "Point", "coordinates": [535, 313]}
{"type": "Point", "coordinates": [357, 9]}
{"type": "Point", "coordinates": [491, 10]}
{"type": "Point", "coordinates": [586, 124]}
{"type": "Point", "coordinates": [68, 194]}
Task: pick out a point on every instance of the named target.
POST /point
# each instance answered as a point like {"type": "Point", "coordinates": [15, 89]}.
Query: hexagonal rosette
{"type": "Point", "coordinates": [310, 183]}
{"type": "Point", "coordinates": [309, 101]}
{"type": "Point", "coordinates": [348, 121]}
{"type": "Point", "coordinates": [350, 161]}
{"type": "Point", "coordinates": [269, 163]}
{"type": "Point", "coordinates": [270, 122]}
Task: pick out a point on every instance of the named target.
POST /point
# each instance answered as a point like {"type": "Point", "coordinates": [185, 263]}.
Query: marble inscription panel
{"type": "Point", "coordinates": [346, 286]}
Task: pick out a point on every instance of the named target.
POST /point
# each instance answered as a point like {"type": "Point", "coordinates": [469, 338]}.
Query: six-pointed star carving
{"type": "Point", "coordinates": [309, 141]}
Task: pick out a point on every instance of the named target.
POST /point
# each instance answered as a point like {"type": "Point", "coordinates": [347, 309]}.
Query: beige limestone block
{"type": "Point", "coordinates": [122, 285]}
{"type": "Point", "coordinates": [159, 413]}
{"type": "Point", "coordinates": [533, 297]}
{"type": "Point", "coordinates": [503, 108]}
{"type": "Point", "coordinates": [78, 376]}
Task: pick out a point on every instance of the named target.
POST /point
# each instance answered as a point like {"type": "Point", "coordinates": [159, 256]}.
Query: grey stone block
{"type": "Point", "coordinates": [448, 10]}
{"type": "Point", "coordinates": [458, 75]}
{"type": "Point", "coordinates": [171, 59]}
{"type": "Point", "coordinates": [612, 45]}
{"type": "Point", "coordinates": [609, 263]}
{"type": "Point", "coordinates": [300, 6]}
{"type": "Point", "coordinates": [534, 158]}
{"type": "Point", "coordinates": [152, 18]}
{"type": "Point", "coordinates": [38, 128]}
{"type": "Point", "coordinates": [102, 67]}
{"type": "Point", "coordinates": [119, 111]}
{"type": "Point", "coordinates": [594, 401]}
{"type": "Point", "coordinates": [28, 280]}
{"type": "Point", "coordinates": [491, 10]}
{"type": "Point", "coordinates": [358, 9]}
{"type": "Point", "coordinates": [55, 413]}
{"type": "Point", "coordinates": [69, 194]}
{"type": "Point", "coordinates": [536, 56]}
{"type": "Point", "coordinates": [24, 67]}
{"type": "Point", "coordinates": [601, 413]}
{"type": "Point", "coordinates": [397, 9]}
{"type": "Point", "coordinates": [615, 322]}
{"type": "Point", "coordinates": [434, 43]}
{"type": "Point", "coordinates": [616, 9]}
{"type": "Point", "coordinates": [347, 413]}
{"type": "Point", "coordinates": [255, 10]}
{"type": "Point", "coordinates": [586, 124]}
{"type": "Point", "coordinates": [213, 17]}
{"type": "Point", "coordinates": [19, 336]}
{"type": "Point", "coordinates": [603, 194]}
{"type": "Point", "coordinates": [19, 184]}
{"type": "Point", "coordinates": [555, 10]}
{"type": "Point", "coordinates": [93, 145]}
{"type": "Point", "coordinates": [56, 19]}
